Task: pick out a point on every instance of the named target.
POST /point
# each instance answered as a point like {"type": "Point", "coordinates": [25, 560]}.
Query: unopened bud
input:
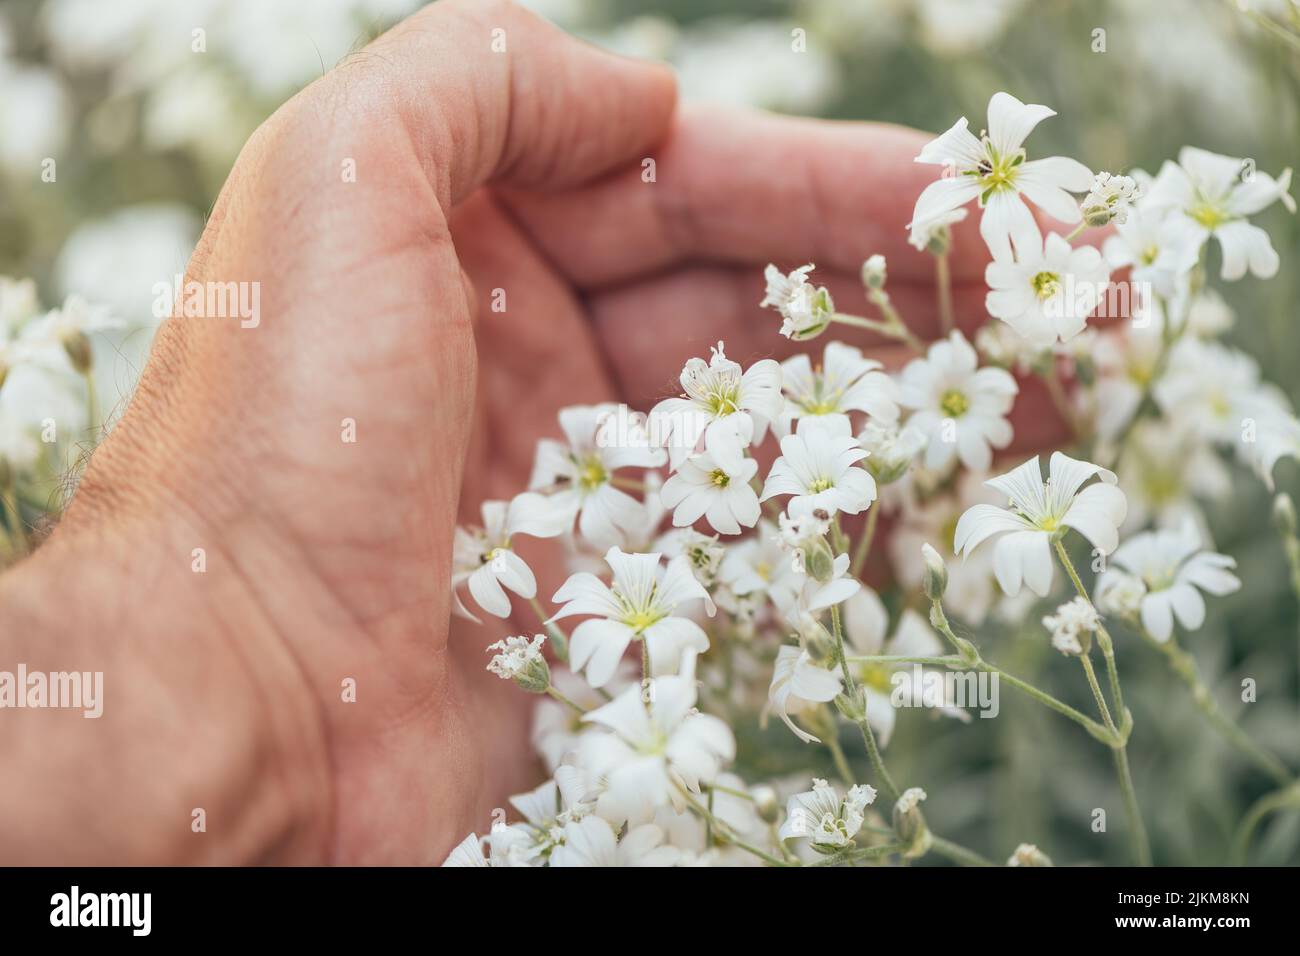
{"type": "Point", "coordinates": [819, 644]}
{"type": "Point", "coordinates": [819, 559]}
{"type": "Point", "coordinates": [909, 823]}
{"type": "Point", "coordinates": [852, 707]}
{"type": "Point", "coordinates": [873, 272]}
{"type": "Point", "coordinates": [766, 804]}
{"type": "Point", "coordinates": [935, 581]}
{"type": "Point", "coordinates": [79, 351]}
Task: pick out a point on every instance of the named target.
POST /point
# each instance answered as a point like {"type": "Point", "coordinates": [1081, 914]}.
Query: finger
{"type": "Point", "coordinates": [742, 186]}
{"type": "Point", "coordinates": [488, 91]}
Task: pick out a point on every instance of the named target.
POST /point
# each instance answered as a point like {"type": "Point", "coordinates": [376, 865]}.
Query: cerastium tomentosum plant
{"type": "Point", "coordinates": [740, 586]}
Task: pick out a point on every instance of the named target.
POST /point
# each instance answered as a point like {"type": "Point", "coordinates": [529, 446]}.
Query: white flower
{"type": "Point", "coordinates": [805, 309]}
{"type": "Point", "coordinates": [1027, 854]}
{"type": "Point", "coordinates": [640, 605]}
{"type": "Point", "coordinates": [723, 410]}
{"type": "Point", "coordinates": [519, 659]}
{"type": "Point", "coordinates": [557, 728]}
{"type": "Point", "coordinates": [1214, 194]}
{"type": "Point", "coordinates": [1073, 620]}
{"type": "Point", "coordinates": [1171, 566]}
{"type": "Point", "coordinates": [1039, 512]}
{"type": "Point", "coordinates": [718, 491]}
{"type": "Point", "coordinates": [1121, 593]}
{"type": "Point", "coordinates": [800, 684]}
{"type": "Point", "coordinates": [484, 557]}
{"type": "Point", "coordinates": [1168, 467]}
{"type": "Point", "coordinates": [890, 450]}
{"type": "Point", "coordinates": [468, 852]}
{"type": "Point", "coordinates": [702, 551]}
{"type": "Point", "coordinates": [1215, 391]}
{"type": "Point", "coordinates": [654, 750]}
{"type": "Point", "coordinates": [591, 841]}
{"type": "Point", "coordinates": [18, 302]}
{"type": "Point", "coordinates": [817, 596]}
{"type": "Point", "coordinates": [1160, 249]}
{"type": "Point", "coordinates": [817, 467]}
{"type": "Point", "coordinates": [875, 271]}
{"type": "Point", "coordinates": [924, 234]}
{"type": "Point", "coordinates": [827, 821]}
{"type": "Point", "coordinates": [845, 382]}
{"type": "Point", "coordinates": [578, 473]}
{"type": "Point", "coordinates": [960, 408]}
{"type": "Point", "coordinates": [1109, 199]}
{"type": "Point", "coordinates": [866, 625]}
{"type": "Point", "coordinates": [1049, 291]}
{"type": "Point", "coordinates": [760, 565]}
{"type": "Point", "coordinates": [993, 170]}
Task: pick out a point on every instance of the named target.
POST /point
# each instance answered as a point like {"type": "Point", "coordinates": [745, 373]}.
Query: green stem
{"type": "Point", "coordinates": [552, 692]}
{"type": "Point", "coordinates": [861, 853]}
{"type": "Point", "coordinates": [943, 279]}
{"type": "Point", "coordinates": [957, 853]}
{"type": "Point", "coordinates": [868, 737]}
{"type": "Point", "coordinates": [970, 656]}
{"type": "Point", "coordinates": [952, 660]}
{"type": "Point", "coordinates": [837, 755]}
{"type": "Point", "coordinates": [1288, 797]}
{"type": "Point", "coordinates": [1103, 636]}
{"type": "Point", "coordinates": [559, 640]}
{"type": "Point", "coordinates": [864, 543]}
{"type": "Point", "coordinates": [724, 832]}
{"type": "Point", "coordinates": [889, 329]}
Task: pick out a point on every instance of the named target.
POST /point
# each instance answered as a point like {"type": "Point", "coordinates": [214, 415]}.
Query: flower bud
{"type": "Point", "coordinates": [936, 573]}
{"type": "Point", "coordinates": [766, 803]}
{"type": "Point", "coordinates": [909, 823]}
{"type": "Point", "coordinates": [77, 346]}
{"type": "Point", "coordinates": [873, 272]}
{"type": "Point", "coordinates": [852, 708]}
{"type": "Point", "coordinates": [819, 644]}
{"type": "Point", "coordinates": [819, 559]}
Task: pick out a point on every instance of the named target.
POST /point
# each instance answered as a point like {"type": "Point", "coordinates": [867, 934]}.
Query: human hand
{"type": "Point", "coordinates": [328, 560]}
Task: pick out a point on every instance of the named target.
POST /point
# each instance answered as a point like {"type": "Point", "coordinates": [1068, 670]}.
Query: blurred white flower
{"type": "Point", "coordinates": [866, 625]}
{"type": "Point", "coordinates": [655, 749]}
{"type": "Point", "coordinates": [1213, 195]}
{"type": "Point", "coordinates": [754, 63]}
{"type": "Point", "coordinates": [994, 171]}
{"type": "Point", "coordinates": [800, 684]}
{"type": "Point", "coordinates": [959, 407]}
{"type": "Point", "coordinates": [1039, 511]}
{"type": "Point", "coordinates": [1159, 249]}
{"type": "Point", "coordinates": [1171, 566]}
{"type": "Point", "coordinates": [1049, 292]}
{"type": "Point", "coordinates": [121, 258]}
{"type": "Point", "coordinates": [591, 841]}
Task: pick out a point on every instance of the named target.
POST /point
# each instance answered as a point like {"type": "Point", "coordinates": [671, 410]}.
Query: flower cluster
{"type": "Point", "coordinates": [721, 539]}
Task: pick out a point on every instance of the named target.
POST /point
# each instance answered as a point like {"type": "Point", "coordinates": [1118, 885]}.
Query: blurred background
{"type": "Point", "coordinates": [143, 105]}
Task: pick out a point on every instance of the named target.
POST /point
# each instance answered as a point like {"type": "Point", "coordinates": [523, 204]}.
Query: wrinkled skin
{"type": "Point", "coordinates": [327, 560]}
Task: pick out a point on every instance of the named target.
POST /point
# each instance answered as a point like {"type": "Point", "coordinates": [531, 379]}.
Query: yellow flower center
{"type": "Point", "coordinates": [954, 403]}
{"type": "Point", "coordinates": [1046, 284]}
{"type": "Point", "coordinates": [876, 676]}
{"type": "Point", "coordinates": [1209, 214]}
{"type": "Point", "coordinates": [821, 484]}
{"type": "Point", "coordinates": [592, 474]}
{"type": "Point", "coordinates": [720, 478]}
